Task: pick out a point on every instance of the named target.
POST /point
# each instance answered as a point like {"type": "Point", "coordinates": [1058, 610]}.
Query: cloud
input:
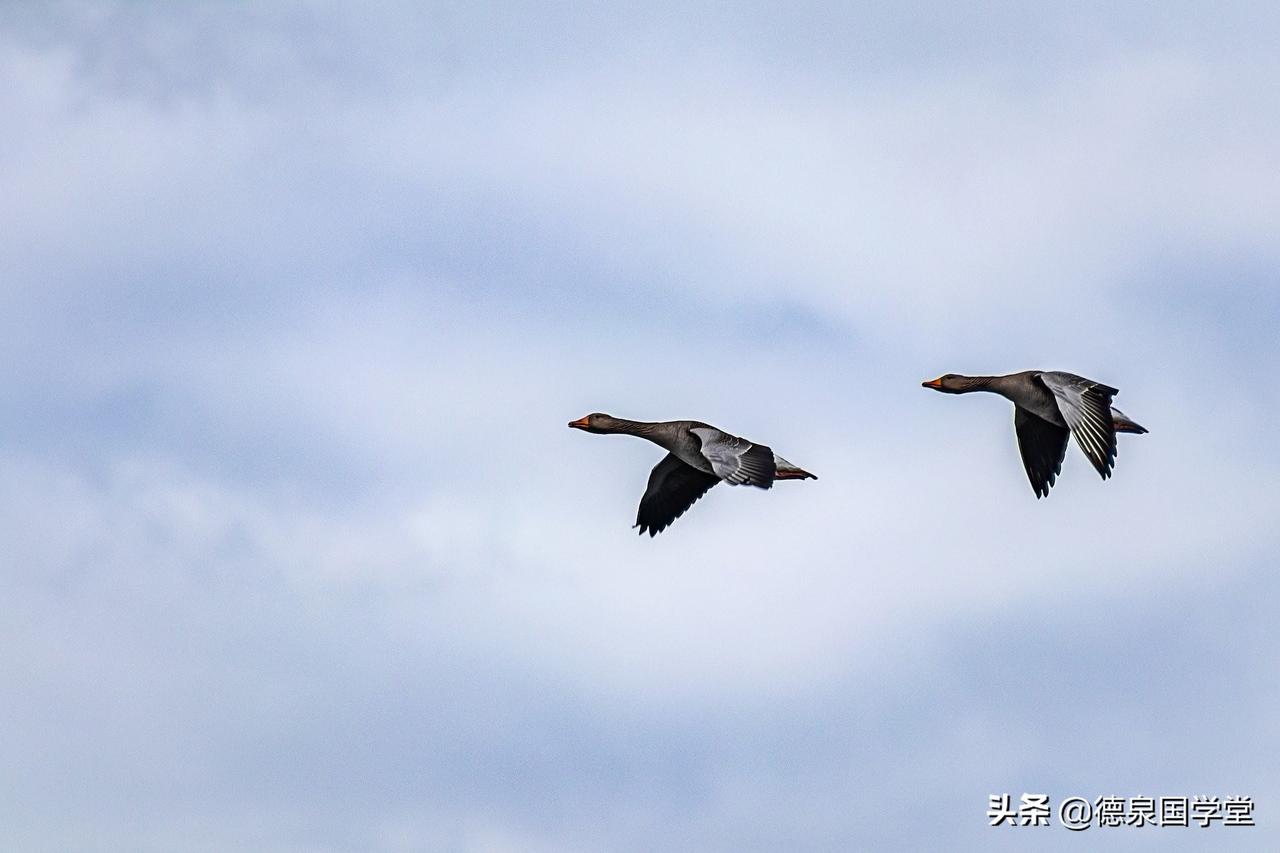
{"type": "Point", "coordinates": [300, 552]}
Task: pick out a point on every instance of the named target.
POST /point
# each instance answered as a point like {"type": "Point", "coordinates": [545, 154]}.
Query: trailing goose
{"type": "Point", "coordinates": [1048, 407]}
{"type": "Point", "coordinates": [698, 457]}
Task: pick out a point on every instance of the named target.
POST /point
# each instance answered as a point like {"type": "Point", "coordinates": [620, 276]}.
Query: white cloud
{"type": "Point", "coordinates": [291, 498]}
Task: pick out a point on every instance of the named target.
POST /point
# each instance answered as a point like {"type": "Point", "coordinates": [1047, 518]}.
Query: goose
{"type": "Point", "coordinates": [698, 456]}
{"type": "Point", "coordinates": [1048, 407]}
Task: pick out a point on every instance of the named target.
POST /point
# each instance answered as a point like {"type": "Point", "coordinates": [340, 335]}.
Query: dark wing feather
{"type": "Point", "coordinates": [735, 460]}
{"type": "Point", "coordinates": [1086, 407]}
{"type": "Point", "coordinates": [673, 488]}
{"type": "Point", "coordinates": [756, 466]}
{"type": "Point", "coordinates": [1043, 446]}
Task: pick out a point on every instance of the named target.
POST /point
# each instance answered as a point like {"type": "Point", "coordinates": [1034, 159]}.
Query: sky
{"type": "Point", "coordinates": [297, 299]}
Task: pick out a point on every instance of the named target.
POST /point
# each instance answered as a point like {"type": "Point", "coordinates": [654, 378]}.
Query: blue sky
{"type": "Point", "coordinates": [298, 554]}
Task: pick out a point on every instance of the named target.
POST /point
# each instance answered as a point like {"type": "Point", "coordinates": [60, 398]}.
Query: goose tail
{"type": "Point", "coordinates": [1126, 424]}
{"type": "Point", "coordinates": [787, 471]}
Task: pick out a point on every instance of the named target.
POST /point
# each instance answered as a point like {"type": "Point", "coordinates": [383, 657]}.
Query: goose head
{"type": "Point", "coordinates": [953, 383]}
{"type": "Point", "coordinates": [594, 422]}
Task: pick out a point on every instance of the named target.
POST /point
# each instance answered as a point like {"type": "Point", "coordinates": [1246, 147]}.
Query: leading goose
{"type": "Point", "coordinates": [1048, 406]}
{"type": "Point", "coordinates": [698, 457]}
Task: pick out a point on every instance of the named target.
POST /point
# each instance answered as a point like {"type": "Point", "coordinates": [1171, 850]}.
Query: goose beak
{"type": "Point", "coordinates": [580, 423]}
{"type": "Point", "coordinates": [932, 383]}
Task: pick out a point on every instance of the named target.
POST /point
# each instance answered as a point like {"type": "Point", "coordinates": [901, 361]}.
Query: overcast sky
{"type": "Point", "coordinates": [297, 553]}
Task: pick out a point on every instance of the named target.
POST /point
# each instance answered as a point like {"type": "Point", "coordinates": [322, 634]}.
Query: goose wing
{"type": "Point", "coordinates": [673, 487]}
{"type": "Point", "coordinates": [1043, 446]}
{"type": "Point", "coordinates": [736, 460]}
{"type": "Point", "coordinates": [1086, 407]}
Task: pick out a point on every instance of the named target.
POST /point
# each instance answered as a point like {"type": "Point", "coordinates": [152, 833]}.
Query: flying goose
{"type": "Point", "coordinates": [1048, 406]}
{"type": "Point", "coordinates": [698, 457]}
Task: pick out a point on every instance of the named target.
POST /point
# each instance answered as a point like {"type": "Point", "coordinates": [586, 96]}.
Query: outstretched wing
{"type": "Point", "coordinates": [736, 460]}
{"type": "Point", "coordinates": [1086, 407]}
{"type": "Point", "coordinates": [1043, 446]}
{"type": "Point", "coordinates": [673, 488]}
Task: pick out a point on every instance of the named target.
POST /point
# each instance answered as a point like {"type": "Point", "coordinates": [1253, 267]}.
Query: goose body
{"type": "Point", "coordinates": [1049, 407]}
{"type": "Point", "coordinates": [698, 456]}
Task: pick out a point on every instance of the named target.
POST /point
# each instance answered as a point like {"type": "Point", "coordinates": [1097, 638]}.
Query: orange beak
{"type": "Point", "coordinates": [933, 383]}
{"type": "Point", "coordinates": [580, 423]}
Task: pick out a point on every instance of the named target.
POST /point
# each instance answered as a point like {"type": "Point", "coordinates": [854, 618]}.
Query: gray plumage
{"type": "Point", "coordinates": [1049, 407]}
{"type": "Point", "coordinates": [698, 456]}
